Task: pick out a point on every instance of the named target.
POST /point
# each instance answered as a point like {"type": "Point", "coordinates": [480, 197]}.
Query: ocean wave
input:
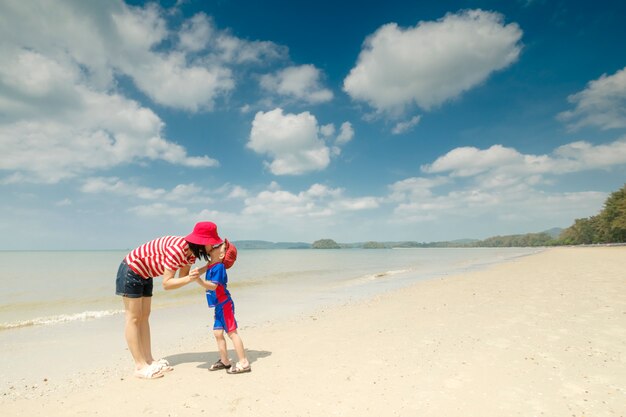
{"type": "Point", "coordinates": [373, 277]}
{"type": "Point", "coordinates": [61, 318]}
{"type": "Point", "coordinates": [387, 274]}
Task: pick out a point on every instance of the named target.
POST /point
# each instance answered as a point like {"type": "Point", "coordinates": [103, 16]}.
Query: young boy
{"type": "Point", "coordinates": [221, 257]}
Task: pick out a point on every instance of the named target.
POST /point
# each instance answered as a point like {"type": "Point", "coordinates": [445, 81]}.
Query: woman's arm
{"type": "Point", "coordinates": [171, 283]}
{"type": "Point", "coordinates": [195, 275]}
{"type": "Point", "coordinates": [202, 270]}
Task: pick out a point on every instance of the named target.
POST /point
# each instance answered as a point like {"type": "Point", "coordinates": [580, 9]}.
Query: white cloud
{"type": "Point", "coordinates": [327, 130]}
{"type": "Point", "coordinates": [51, 29]}
{"type": "Point", "coordinates": [168, 78]}
{"type": "Point", "coordinates": [503, 186]}
{"type": "Point", "coordinates": [310, 210]}
{"type": "Point", "coordinates": [232, 192]}
{"type": "Point", "coordinates": [175, 78]}
{"type": "Point", "coordinates": [104, 40]}
{"type": "Point", "coordinates": [169, 81]}
{"type": "Point", "coordinates": [514, 208]}
{"type": "Point", "coordinates": [502, 161]}
{"type": "Point", "coordinates": [602, 104]}
{"type": "Point", "coordinates": [432, 62]}
{"type": "Point", "coordinates": [298, 82]}
{"type": "Point", "coordinates": [93, 131]}
{"type": "Point", "coordinates": [180, 80]}
{"type": "Point", "coordinates": [60, 112]}
{"type": "Point", "coordinates": [116, 186]}
{"type": "Point", "coordinates": [581, 155]}
{"type": "Point", "coordinates": [196, 33]}
{"type": "Point", "coordinates": [233, 50]}
{"type": "Point", "coordinates": [293, 142]}
{"type": "Point", "coordinates": [346, 133]}
{"type": "Point", "coordinates": [237, 192]}
{"type": "Point", "coordinates": [356, 204]}
{"type": "Point", "coordinates": [403, 127]}
{"type": "Point", "coordinates": [469, 161]}
{"type": "Point", "coordinates": [182, 193]}
{"type": "Point", "coordinates": [141, 28]}
{"type": "Point", "coordinates": [315, 202]}
{"type": "Point", "coordinates": [290, 140]}
{"type": "Point", "coordinates": [415, 188]}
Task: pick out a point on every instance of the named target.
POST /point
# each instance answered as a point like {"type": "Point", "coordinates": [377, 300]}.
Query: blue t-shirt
{"type": "Point", "coordinates": [217, 274]}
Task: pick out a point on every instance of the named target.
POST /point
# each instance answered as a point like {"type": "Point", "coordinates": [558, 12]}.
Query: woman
{"type": "Point", "coordinates": [163, 256]}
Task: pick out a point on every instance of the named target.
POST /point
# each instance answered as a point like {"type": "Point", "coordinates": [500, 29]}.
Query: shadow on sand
{"type": "Point", "coordinates": [205, 359]}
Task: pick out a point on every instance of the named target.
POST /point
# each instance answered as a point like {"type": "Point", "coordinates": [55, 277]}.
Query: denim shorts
{"type": "Point", "coordinates": [130, 284]}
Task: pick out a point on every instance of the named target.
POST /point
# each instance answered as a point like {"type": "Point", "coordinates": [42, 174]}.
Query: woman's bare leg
{"type": "Point", "coordinates": [144, 329]}
{"type": "Point", "coordinates": [132, 331]}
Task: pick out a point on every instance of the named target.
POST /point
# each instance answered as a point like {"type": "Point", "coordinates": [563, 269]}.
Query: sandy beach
{"type": "Point", "coordinates": [541, 335]}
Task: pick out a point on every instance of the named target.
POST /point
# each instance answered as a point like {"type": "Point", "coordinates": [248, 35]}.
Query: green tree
{"type": "Point", "coordinates": [609, 226]}
{"type": "Point", "coordinates": [325, 244]}
{"type": "Point", "coordinates": [582, 232]}
{"type": "Point", "coordinates": [529, 239]}
{"type": "Point", "coordinates": [613, 218]}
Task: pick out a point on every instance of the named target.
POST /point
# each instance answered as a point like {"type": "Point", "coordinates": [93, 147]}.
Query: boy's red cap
{"type": "Point", "coordinates": [230, 256]}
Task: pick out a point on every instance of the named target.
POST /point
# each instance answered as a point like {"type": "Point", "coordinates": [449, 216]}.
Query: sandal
{"type": "Point", "coordinates": [162, 365]}
{"type": "Point", "coordinates": [239, 369]}
{"type": "Point", "coordinates": [149, 372]}
{"type": "Point", "coordinates": [163, 361]}
{"type": "Point", "coordinates": [219, 365]}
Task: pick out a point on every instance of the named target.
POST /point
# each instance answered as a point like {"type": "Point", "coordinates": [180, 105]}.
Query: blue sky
{"type": "Point", "coordinates": [296, 121]}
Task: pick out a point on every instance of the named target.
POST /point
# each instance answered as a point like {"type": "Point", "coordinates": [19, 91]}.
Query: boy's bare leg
{"type": "Point", "coordinates": [238, 345]}
{"type": "Point", "coordinates": [132, 330]}
{"type": "Point", "coordinates": [221, 345]}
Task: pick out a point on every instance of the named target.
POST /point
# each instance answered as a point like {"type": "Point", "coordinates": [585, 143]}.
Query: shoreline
{"type": "Point", "coordinates": [539, 334]}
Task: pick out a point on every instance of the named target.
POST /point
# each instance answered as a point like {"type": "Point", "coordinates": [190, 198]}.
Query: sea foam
{"type": "Point", "coordinates": [61, 318]}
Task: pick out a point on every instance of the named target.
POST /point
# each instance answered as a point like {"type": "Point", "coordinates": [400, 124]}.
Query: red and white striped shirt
{"type": "Point", "coordinates": [151, 259]}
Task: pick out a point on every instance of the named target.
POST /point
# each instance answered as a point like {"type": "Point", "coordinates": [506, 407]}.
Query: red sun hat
{"type": "Point", "coordinates": [230, 256]}
{"type": "Point", "coordinates": [204, 233]}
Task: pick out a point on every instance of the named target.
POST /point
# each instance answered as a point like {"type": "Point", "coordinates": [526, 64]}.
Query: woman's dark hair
{"type": "Point", "coordinates": [199, 251]}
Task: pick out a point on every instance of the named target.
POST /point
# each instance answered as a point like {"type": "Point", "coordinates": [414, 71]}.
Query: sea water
{"type": "Point", "coordinates": [50, 288]}
{"type": "Point", "coordinates": [62, 304]}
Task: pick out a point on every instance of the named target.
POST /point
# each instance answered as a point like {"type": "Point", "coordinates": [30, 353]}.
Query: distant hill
{"type": "Point", "coordinates": [554, 232]}
{"type": "Point", "coordinates": [529, 239]}
{"type": "Point", "coordinates": [292, 245]}
{"type": "Point", "coordinates": [263, 244]}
